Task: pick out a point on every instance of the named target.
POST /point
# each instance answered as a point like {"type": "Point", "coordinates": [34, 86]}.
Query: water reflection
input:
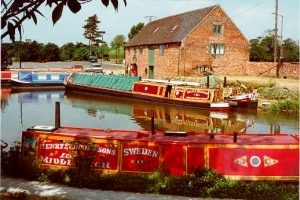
{"type": "Point", "coordinates": [88, 110]}
{"type": "Point", "coordinates": [166, 117]}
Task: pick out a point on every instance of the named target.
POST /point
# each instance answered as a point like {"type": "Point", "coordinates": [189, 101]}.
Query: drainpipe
{"type": "Point", "coordinates": [178, 59]}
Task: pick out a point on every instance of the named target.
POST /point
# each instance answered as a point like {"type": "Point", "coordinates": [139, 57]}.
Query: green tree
{"type": "Point", "coordinates": [258, 52]}
{"type": "Point", "coordinates": [51, 51]}
{"type": "Point", "coordinates": [32, 51]}
{"type": "Point", "coordinates": [115, 44]}
{"type": "Point", "coordinates": [67, 51]}
{"type": "Point", "coordinates": [81, 53]}
{"type": "Point", "coordinates": [262, 49]}
{"type": "Point", "coordinates": [15, 12]}
{"type": "Point", "coordinates": [135, 29]}
{"type": "Point", "coordinates": [290, 51]}
{"type": "Point", "coordinates": [92, 33]}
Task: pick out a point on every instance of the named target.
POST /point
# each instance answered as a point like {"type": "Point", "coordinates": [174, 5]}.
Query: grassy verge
{"type": "Point", "coordinates": [203, 182]}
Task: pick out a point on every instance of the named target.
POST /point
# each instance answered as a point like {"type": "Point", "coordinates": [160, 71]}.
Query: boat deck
{"type": "Point", "coordinates": [179, 137]}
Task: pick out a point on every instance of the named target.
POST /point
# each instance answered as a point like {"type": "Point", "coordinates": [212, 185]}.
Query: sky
{"type": "Point", "coordinates": [253, 18]}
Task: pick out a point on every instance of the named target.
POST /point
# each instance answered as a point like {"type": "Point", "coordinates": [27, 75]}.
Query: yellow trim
{"type": "Point", "coordinates": [255, 178]}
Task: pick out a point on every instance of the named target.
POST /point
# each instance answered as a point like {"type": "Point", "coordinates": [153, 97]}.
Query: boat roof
{"type": "Point", "coordinates": [171, 136]}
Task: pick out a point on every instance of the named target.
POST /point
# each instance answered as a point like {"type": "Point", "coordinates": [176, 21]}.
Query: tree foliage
{"type": "Point", "coordinates": [262, 49]}
{"type": "Point", "coordinates": [92, 32]}
{"type": "Point", "coordinates": [135, 29]}
{"type": "Point", "coordinates": [15, 12]}
{"type": "Point", "coordinates": [118, 41]}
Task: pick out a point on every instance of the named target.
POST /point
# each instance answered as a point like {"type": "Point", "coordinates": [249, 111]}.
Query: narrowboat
{"type": "Point", "coordinates": [164, 91]}
{"type": "Point", "coordinates": [34, 80]}
{"type": "Point", "coordinates": [236, 156]}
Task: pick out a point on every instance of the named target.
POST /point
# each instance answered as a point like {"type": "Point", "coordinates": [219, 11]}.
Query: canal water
{"type": "Point", "coordinates": [23, 109]}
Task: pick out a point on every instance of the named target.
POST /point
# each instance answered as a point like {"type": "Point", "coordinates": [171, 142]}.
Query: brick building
{"type": "Point", "coordinates": [188, 44]}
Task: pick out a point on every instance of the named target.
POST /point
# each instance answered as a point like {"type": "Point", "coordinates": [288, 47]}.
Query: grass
{"type": "Point", "coordinates": [202, 183]}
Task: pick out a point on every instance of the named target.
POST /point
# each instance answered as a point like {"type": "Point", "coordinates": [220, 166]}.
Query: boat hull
{"type": "Point", "coordinates": [36, 80]}
{"type": "Point", "coordinates": [31, 85]}
{"type": "Point", "coordinates": [237, 157]}
{"type": "Point", "coordinates": [129, 94]}
{"type": "Point", "coordinates": [170, 92]}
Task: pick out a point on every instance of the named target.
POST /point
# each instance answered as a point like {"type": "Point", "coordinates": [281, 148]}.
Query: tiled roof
{"type": "Point", "coordinates": [170, 29]}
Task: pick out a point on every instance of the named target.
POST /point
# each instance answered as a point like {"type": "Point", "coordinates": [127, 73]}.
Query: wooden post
{"type": "Point", "coordinates": [234, 137]}
{"type": "Point", "coordinates": [224, 83]}
{"type": "Point", "coordinates": [207, 84]}
{"type": "Point", "coordinates": [152, 122]}
{"type": "Point", "coordinates": [57, 114]}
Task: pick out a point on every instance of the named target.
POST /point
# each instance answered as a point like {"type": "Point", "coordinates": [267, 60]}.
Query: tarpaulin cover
{"type": "Point", "coordinates": [25, 76]}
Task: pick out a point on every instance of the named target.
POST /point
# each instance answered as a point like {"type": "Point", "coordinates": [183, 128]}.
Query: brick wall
{"type": "Point", "coordinates": [269, 69]}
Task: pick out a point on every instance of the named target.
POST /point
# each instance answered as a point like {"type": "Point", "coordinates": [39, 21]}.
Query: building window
{"type": "Point", "coordinates": [217, 49]}
{"type": "Point", "coordinates": [217, 29]}
{"type": "Point", "coordinates": [134, 51]}
{"type": "Point", "coordinates": [161, 49]}
{"type": "Point", "coordinates": [141, 50]}
{"type": "Point", "coordinates": [128, 51]}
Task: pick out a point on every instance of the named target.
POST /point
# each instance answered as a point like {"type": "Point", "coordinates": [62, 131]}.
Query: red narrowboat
{"type": "Point", "coordinates": [236, 156]}
{"type": "Point", "coordinates": [171, 92]}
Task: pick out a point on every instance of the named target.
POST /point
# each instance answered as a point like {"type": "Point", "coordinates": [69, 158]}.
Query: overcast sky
{"type": "Point", "coordinates": [252, 17]}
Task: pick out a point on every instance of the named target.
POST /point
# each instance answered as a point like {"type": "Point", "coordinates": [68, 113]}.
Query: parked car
{"type": "Point", "coordinates": [95, 67]}
{"type": "Point", "coordinates": [106, 57]}
{"type": "Point", "coordinates": [93, 59]}
{"type": "Point", "coordinates": [77, 66]}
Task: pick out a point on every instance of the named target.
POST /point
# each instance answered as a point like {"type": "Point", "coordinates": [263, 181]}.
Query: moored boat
{"type": "Point", "coordinates": [35, 80]}
{"type": "Point", "coordinates": [163, 91]}
{"type": "Point", "coordinates": [236, 156]}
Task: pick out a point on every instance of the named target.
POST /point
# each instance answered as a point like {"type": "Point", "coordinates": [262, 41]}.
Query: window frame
{"type": "Point", "coordinates": [217, 29]}
{"type": "Point", "coordinates": [217, 49]}
{"type": "Point", "coordinates": [161, 49]}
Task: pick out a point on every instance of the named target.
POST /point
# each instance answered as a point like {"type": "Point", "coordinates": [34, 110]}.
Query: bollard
{"type": "Point", "coordinates": [152, 122]}
{"type": "Point", "coordinates": [57, 114]}
{"type": "Point", "coordinates": [234, 137]}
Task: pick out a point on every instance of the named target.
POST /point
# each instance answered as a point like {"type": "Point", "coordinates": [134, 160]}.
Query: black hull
{"type": "Point", "coordinates": [33, 86]}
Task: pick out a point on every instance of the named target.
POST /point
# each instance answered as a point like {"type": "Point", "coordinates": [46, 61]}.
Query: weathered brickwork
{"type": "Point", "coordinates": [193, 56]}
{"type": "Point", "coordinates": [269, 69]}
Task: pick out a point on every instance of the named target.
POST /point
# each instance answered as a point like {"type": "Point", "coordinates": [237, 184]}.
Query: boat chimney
{"type": "Point", "coordinates": [152, 122]}
{"type": "Point", "coordinates": [234, 137]}
{"type": "Point", "coordinates": [57, 114]}
{"type": "Point", "coordinates": [207, 83]}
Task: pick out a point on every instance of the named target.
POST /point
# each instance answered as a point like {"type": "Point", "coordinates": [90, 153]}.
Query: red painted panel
{"type": "Point", "coordinates": [178, 92]}
{"type": "Point", "coordinates": [140, 158]}
{"type": "Point", "coordinates": [197, 94]}
{"type": "Point", "coordinates": [255, 162]}
{"type": "Point", "coordinates": [5, 75]}
{"type": "Point", "coordinates": [146, 88]}
{"type": "Point", "coordinates": [161, 89]}
{"type": "Point", "coordinates": [173, 159]}
{"type": "Point", "coordinates": [195, 158]}
{"type": "Point", "coordinates": [53, 152]}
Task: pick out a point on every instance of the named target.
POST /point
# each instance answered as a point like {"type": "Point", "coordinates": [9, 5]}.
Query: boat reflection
{"type": "Point", "coordinates": [166, 117]}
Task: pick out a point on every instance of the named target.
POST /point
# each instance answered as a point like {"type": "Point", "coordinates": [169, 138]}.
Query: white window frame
{"type": "Point", "coordinates": [217, 49]}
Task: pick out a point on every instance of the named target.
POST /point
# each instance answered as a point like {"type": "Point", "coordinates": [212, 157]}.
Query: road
{"type": "Point", "coordinates": [107, 66]}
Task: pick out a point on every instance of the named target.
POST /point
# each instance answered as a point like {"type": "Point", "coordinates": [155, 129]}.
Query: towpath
{"type": "Point", "coordinates": [56, 190]}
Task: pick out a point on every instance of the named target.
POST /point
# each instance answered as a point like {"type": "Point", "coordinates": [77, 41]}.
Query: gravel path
{"type": "Point", "coordinates": [57, 190]}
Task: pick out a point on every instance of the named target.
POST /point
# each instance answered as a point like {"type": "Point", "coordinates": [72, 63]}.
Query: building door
{"type": "Point", "coordinates": [151, 62]}
{"type": "Point", "coordinates": [151, 72]}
